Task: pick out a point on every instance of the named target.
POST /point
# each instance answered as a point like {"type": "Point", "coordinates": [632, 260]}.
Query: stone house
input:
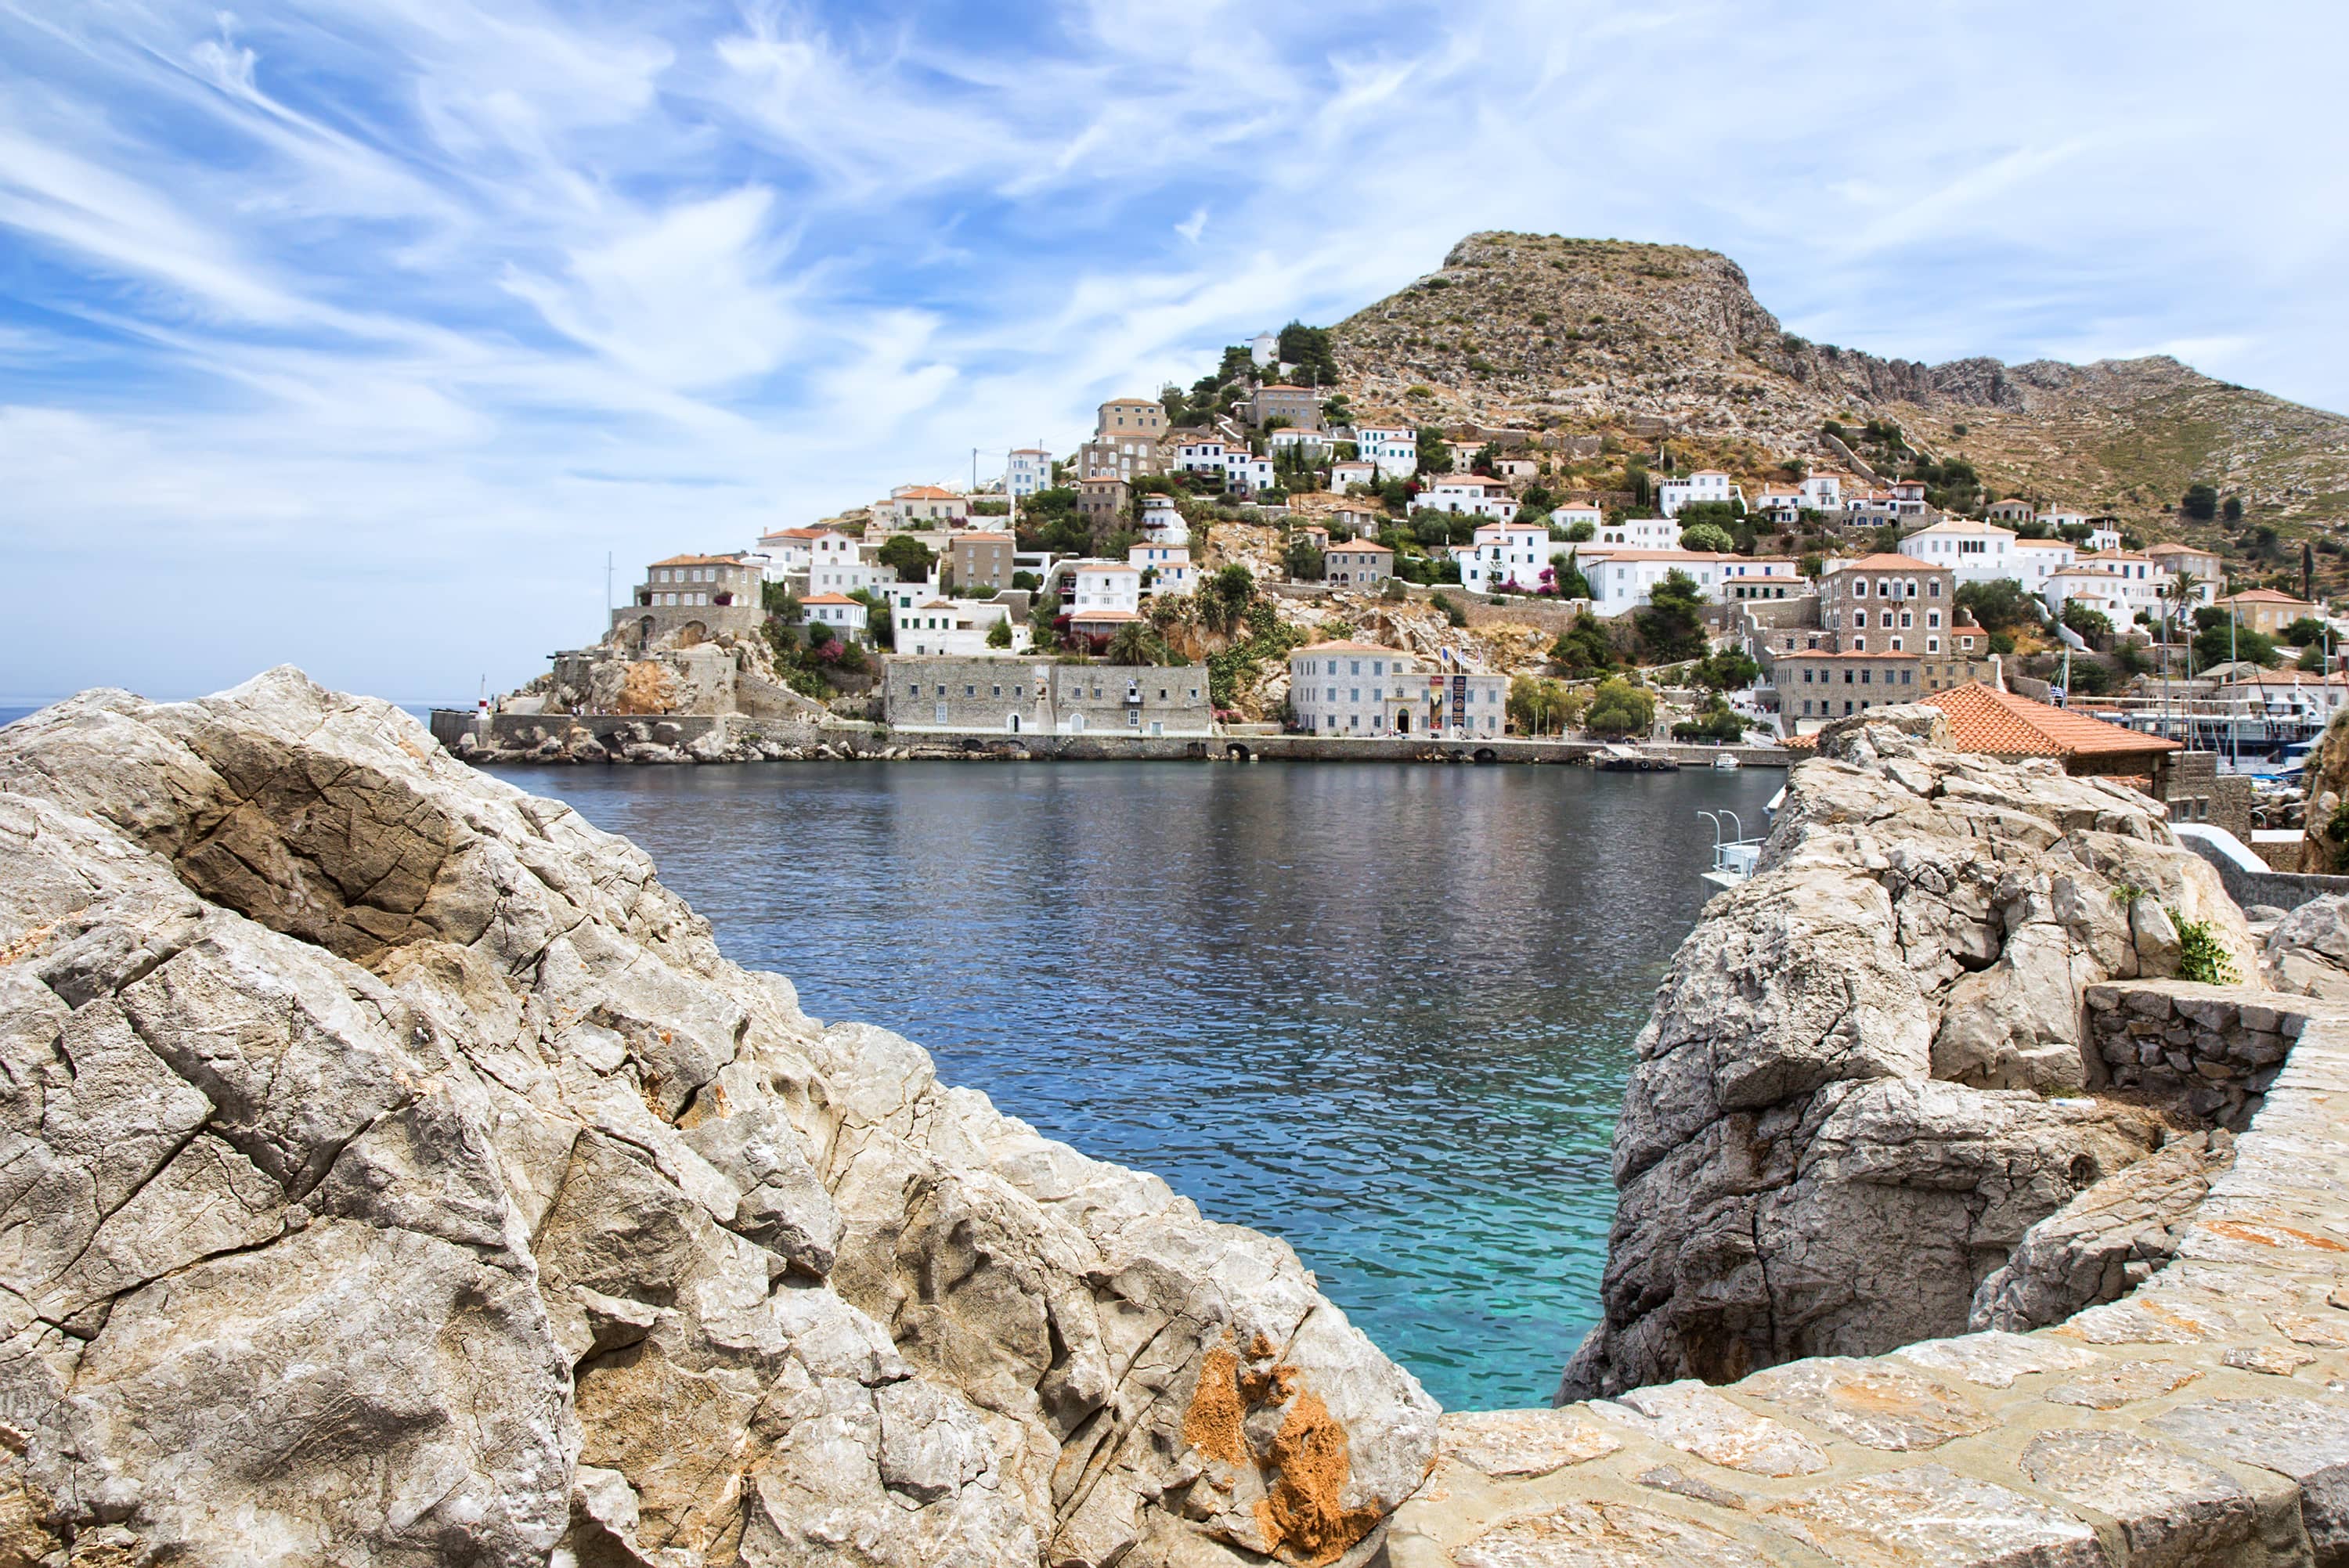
{"type": "Point", "coordinates": [1144, 417]}
{"type": "Point", "coordinates": [1889, 604]}
{"type": "Point", "coordinates": [979, 559]}
{"type": "Point", "coordinates": [1277, 400]}
{"type": "Point", "coordinates": [1361, 689]}
{"type": "Point", "coordinates": [1102, 501]}
{"type": "Point", "coordinates": [697, 596]}
{"type": "Point", "coordinates": [2009, 727]}
{"type": "Point", "coordinates": [1356, 563]}
{"type": "Point", "coordinates": [1000, 697]}
{"type": "Point", "coordinates": [1815, 684]}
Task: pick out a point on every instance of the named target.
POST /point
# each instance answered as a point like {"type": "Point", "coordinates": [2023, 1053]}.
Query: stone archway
{"type": "Point", "coordinates": [1011, 724]}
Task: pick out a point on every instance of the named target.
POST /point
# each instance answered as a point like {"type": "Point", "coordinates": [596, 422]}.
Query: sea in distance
{"type": "Point", "coordinates": [1382, 1010]}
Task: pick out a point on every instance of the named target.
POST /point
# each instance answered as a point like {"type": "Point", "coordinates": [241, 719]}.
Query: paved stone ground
{"type": "Point", "coordinates": [2201, 1423]}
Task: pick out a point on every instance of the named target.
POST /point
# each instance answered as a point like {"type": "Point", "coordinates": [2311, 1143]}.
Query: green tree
{"type": "Point", "coordinates": [908, 556]}
{"type": "Point", "coordinates": [2216, 643]}
{"type": "Point", "coordinates": [1136, 643]}
{"type": "Point", "coordinates": [1619, 709]}
{"type": "Point", "coordinates": [1715, 721]}
{"type": "Point", "coordinates": [1303, 560]}
{"type": "Point", "coordinates": [1435, 457]}
{"type": "Point", "coordinates": [779, 602]}
{"type": "Point", "coordinates": [1636, 481]}
{"type": "Point", "coordinates": [1999, 605]}
{"type": "Point", "coordinates": [1567, 579]}
{"type": "Point", "coordinates": [1707, 536]}
{"type": "Point", "coordinates": [1727, 669]}
{"type": "Point", "coordinates": [1224, 598]}
{"type": "Point", "coordinates": [1671, 627]}
{"type": "Point", "coordinates": [2306, 630]}
{"type": "Point", "coordinates": [2233, 510]}
{"type": "Point", "coordinates": [1537, 706]}
{"type": "Point", "coordinates": [1584, 648]}
{"type": "Point", "coordinates": [1452, 612]}
{"type": "Point", "coordinates": [999, 635]}
{"type": "Point", "coordinates": [1308, 349]}
{"type": "Point", "coordinates": [1042, 613]}
{"type": "Point", "coordinates": [2093, 624]}
{"type": "Point", "coordinates": [2200, 502]}
{"type": "Point", "coordinates": [1579, 532]}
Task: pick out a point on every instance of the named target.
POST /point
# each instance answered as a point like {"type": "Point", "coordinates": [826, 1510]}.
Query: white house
{"type": "Point", "coordinates": [1470, 493]}
{"type": "Point", "coordinates": [1641, 533]}
{"type": "Point", "coordinates": [1760, 577]}
{"type": "Point", "coordinates": [1347, 688]}
{"type": "Point", "coordinates": [850, 576]}
{"type": "Point", "coordinates": [790, 550]}
{"type": "Point", "coordinates": [1162, 521]}
{"type": "Point", "coordinates": [1341, 474]}
{"type": "Point", "coordinates": [1908, 497]}
{"type": "Point", "coordinates": [1976, 552]}
{"type": "Point", "coordinates": [1027, 471]}
{"type": "Point", "coordinates": [1508, 556]}
{"type": "Point", "coordinates": [1782, 507]}
{"type": "Point", "coordinates": [2035, 560]}
{"type": "Point", "coordinates": [1822, 492]}
{"type": "Point", "coordinates": [1705, 484]}
{"type": "Point", "coordinates": [2060, 518]}
{"type": "Point", "coordinates": [2134, 582]}
{"type": "Point", "coordinates": [1621, 579]}
{"type": "Point", "coordinates": [838, 611]}
{"type": "Point", "coordinates": [1168, 566]}
{"type": "Point", "coordinates": [1240, 470]}
{"type": "Point", "coordinates": [2104, 539]}
{"type": "Point", "coordinates": [1567, 516]}
{"type": "Point", "coordinates": [1088, 586]}
{"type": "Point", "coordinates": [2293, 694]}
{"type": "Point", "coordinates": [1392, 449]}
{"type": "Point", "coordinates": [1310, 443]}
{"type": "Point", "coordinates": [926, 623]}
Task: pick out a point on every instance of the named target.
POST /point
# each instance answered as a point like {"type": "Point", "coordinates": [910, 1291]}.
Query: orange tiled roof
{"type": "Point", "coordinates": [1346, 647]}
{"type": "Point", "coordinates": [2004, 725]}
{"type": "Point", "coordinates": [1889, 561]}
{"type": "Point", "coordinates": [1361, 546]}
{"type": "Point", "coordinates": [700, 561]}
{"type": "Point", "coordinates": [829, 599]}
{"type": "Point", "coordinates": [2260, 596]}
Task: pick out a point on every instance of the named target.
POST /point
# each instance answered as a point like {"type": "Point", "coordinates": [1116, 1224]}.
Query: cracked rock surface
{"type": "Point", "coordinates": [396, 1175]}
{"type": "Point", "coordinates": [1864, 1079]}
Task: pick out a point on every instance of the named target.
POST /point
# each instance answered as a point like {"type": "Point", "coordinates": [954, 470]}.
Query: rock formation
{"type": "Point", "coordinates": [1864, 1079]}
{"type": "Point", "coordinates": [398, 1175]}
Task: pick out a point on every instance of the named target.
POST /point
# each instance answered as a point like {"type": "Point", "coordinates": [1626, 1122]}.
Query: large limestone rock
{"type": "Point", "coordinates": [2308, 950]}
{"type": "Point", "coordinates": [396, 1174]}
{"type": "Point", "coordinates": [2107, 1241]}
{"type": "Point", "coordinates": [1864, 1079]}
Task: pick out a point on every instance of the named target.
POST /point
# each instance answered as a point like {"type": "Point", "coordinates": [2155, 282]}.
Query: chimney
{"type": "Point", "coordinates": [1997, 672]}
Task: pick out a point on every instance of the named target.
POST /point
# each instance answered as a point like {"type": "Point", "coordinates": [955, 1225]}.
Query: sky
{"type": "Point", "coordinates": [359, 334]}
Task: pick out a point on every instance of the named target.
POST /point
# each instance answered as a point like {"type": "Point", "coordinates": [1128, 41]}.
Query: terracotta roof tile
{"type": "Point", "coordinates": [2004, 725]}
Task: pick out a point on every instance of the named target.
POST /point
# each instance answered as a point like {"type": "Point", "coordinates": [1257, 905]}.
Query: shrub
{"type": "Point", "coordinates": [1452, 612]}
{"type": "Point", "coordinates": [2200, 955]}
{"type": "Point", "coordinates": [1618, 708]}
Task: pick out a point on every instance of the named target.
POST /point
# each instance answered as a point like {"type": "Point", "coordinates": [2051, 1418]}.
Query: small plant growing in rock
{"type": "Point", "coordinates": [2200, 956]}
{"type": "Point", "coordinates": [2126, 894]}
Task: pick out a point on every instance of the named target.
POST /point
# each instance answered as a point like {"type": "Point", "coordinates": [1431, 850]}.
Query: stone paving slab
{"type": "Point", "coordinates": [2201, 1423]}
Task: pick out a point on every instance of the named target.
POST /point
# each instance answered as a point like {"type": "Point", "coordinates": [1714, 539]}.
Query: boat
{"type": "Point", "coordinates": [1726, 762]}
{"type": "Point", "coordinates": [1617, 757]}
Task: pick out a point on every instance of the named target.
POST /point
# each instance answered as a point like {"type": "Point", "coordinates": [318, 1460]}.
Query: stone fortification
{"type": "Point", "coordinates": [396, 1175]}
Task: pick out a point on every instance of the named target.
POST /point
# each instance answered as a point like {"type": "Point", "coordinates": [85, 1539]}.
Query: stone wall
{"type": "Point", "coordinates": [2211, 1051]}
{"type": "Point", "coordinates": [2202, 1421]}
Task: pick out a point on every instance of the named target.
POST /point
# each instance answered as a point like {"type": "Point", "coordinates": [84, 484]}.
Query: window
{"type": "Point", "coordinates": [995, 691]}
{"type": "Point", "coordinates": [973, 691]}
{"type": "Point", "coordinates": [1907, 677]}
{"type": "Point", "coordinates": [1935, 591]}
{"type": "Point", "coordinates": [1858, 645]}
{"type": "Point", "coordinates": [1865, 677]}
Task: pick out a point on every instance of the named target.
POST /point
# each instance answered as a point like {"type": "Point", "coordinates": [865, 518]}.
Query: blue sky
{"type": "Point", "coordinates": [356, 335]}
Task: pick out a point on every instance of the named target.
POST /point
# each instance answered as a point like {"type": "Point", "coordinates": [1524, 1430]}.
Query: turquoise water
{"type": "Point", "coordinates": [1384, 1011]}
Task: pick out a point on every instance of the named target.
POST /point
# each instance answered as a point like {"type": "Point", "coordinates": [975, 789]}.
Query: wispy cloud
{"type": "Point", "coordinates": [365, 330]}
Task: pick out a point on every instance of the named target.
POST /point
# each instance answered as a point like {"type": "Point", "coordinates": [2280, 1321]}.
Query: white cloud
{"type": "Point", "coordinates": [366, 328]}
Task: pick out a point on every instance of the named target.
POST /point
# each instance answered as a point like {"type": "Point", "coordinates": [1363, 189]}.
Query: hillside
{"type": "Point", "coordinates": [1649, 342]}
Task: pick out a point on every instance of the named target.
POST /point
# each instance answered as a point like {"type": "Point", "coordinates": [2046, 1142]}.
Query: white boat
{"type": "Point", "coordinates": [1726, 762]}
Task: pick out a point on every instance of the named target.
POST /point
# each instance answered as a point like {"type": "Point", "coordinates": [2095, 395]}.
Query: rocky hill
{"type": "Point", "coordinates": [1648, 341]}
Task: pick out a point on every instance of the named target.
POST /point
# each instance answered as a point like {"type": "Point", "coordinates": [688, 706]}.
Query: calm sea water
{"type": "Point", "coordinates": [1381, 1010]}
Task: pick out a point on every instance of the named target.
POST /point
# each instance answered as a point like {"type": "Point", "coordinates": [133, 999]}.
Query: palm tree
{"type": "Point", "coordinates": [2179, 592]}
{"type": "Point", "coordinates": [1135, 644]}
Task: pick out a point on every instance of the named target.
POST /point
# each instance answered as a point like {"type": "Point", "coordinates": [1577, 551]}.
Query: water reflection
{"type": "Point", "coordinates": [1382, 1010]}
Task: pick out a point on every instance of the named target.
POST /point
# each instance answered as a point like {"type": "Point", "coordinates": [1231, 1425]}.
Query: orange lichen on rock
{"type": "Point", "coordinates": [647, 687]}
{"type": "Point", "coordinates": [1212, 1423]}
{"type": "Point", "coordinates": [1305, 1516]}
